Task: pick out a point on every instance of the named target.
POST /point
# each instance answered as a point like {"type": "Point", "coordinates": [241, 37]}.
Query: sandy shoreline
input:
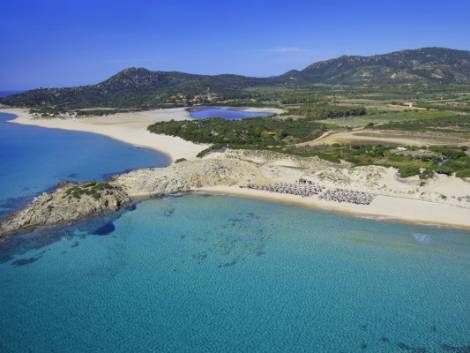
{"type": "Point", "coordinates": [126, 127]}
{"type": "Point", "coordinates": [386, 208]}
{"type": "Point", "coordinates": [443, 201]}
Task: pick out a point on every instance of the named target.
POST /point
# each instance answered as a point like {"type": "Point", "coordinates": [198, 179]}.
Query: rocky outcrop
{"type": "Point", "coordinates": [187, 176]}
{"type": "Point", "coordinates": [69, 203]}
{"type": "Point", "coordinates": [72, 202]}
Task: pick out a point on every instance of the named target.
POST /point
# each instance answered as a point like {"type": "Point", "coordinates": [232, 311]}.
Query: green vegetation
{"type": "Point", "coordinates": [327, 111]}
{"type": "Point", "coordinates": [409, 170]}
{"type": "Point", "coordinates": [47, 111]}
{"type": "Point", "coordinates": [303, 98]}
{"type": "Point", "coordinates": [91, 189]}
{"type": "Point", "coordinates": [54, 111]}
{"type": "Point", "coordinates": [436, 159]}
{"type": "Point", "coordinates": [138, 88]}
{"type": "Point", "coordinates": [380, 118]}
{"type": "Point", "coordinates": [451, 106]}
{"type": "Point", "coordinates": [101, 112]}
{"type": "Point", "coordinates": [257, 133]}
{"type": "Point", "coordinates": [421, 96]}
{"type": "Point", "coordinates": [458, 123]}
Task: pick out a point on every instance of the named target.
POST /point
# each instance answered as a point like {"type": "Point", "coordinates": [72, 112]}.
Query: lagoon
{"type": "Point", "coordinates": [204, 112]}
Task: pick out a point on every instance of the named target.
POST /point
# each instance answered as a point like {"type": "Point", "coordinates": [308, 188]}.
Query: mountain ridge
{"type": "Point", "coordinates": [140, 87]}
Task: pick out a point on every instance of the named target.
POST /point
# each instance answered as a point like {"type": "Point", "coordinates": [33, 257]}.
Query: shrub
{"type": "Point", "coordinates": [463, 173]}
{"type": "Point", "coordinates": [426, 174]}
{"type": "Point", "coordinates": [408, 171]}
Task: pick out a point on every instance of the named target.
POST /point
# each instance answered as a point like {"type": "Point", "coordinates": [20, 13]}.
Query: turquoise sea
{"type": "Point", "coordinates": [202, 273]}
{"type": "Point", "coordinates": [223, 274]}
{"type": "Point", "coordinates": [34, 159]}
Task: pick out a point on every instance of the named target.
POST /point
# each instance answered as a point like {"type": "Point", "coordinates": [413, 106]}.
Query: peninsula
{"type": "Point", "coordinates": [385, 136]}
{"type": "Point", "coordinates": [280, 177]}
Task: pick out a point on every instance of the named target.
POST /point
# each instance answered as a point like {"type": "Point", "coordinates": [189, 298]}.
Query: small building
{"type": "Point", "coordinates": [408, 104]}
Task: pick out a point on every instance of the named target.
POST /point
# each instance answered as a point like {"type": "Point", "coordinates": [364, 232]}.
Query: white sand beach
{"type": "Point", "coordinates": [126, 127]}
{"type": "Point", "coordinates": [442, 200]}
{"type": "Point", "coordinates": [383, 207]}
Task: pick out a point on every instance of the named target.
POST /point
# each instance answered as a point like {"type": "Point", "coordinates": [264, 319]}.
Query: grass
{"type": "Point", "coordinates": [379, 118]}
{"type": "Point", "coordinates": [320, 111]}
{"type": "Point", "coordinates": [459, 123]}
{"type": "Point", "coordinates": [91, 189]}
{"type": "Point", "coordinates": [446, 160]}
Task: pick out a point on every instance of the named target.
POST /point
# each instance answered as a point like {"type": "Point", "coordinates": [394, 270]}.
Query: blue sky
{"type": "Point", "coordinates": [70, 42]}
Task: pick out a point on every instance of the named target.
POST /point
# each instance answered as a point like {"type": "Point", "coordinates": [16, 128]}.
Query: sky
{"type": "Point", "coordinates": [59, 43]}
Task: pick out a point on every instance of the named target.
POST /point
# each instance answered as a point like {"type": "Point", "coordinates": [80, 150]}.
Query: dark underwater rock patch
{"type": "Point", "coordinates": [26, 261]}
{"type": "Point", "coordinates": [169, 212]}
{"type": "Point", "coordinates": [229, 264]}
{"type": "Point", "coordinates": [456, 349]}
{"type": "Point", "coordinates": [132, 207]}
{"type": "Point", "coordinates": [411, 349]}
{"type": "Point", "coordinates": [200, 257]}
{"type": "Point", "coordinates": [105, 229]}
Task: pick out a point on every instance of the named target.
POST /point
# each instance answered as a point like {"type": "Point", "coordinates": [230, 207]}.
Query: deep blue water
{"type": "Point", "coordinates": [226, 113]}
{"type": "Point", "coordinates": [252, 277]}
{"type": "Point", "coordinates": [33, 159]}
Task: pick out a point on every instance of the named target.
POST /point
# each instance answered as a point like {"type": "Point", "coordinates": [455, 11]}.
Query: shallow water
{"type": "Point", "coordinates": [225, 274]}
{"type": "Point", "coordinates": [33, 159]}
{"type": "Point", "coordinates": [225, 113]}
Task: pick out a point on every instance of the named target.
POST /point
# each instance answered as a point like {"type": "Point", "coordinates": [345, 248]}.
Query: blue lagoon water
{"type": "Point", "coordinates": [225, 113]}
{"type": "Point", "coordinates": [223, 274]}
{"type": "Point", "coordinates": [33, 159]}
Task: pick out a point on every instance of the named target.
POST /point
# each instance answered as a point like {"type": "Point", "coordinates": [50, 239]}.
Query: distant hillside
{"type": "Point", "coordinates": [138, 87]}
{"type": "Point", "coordinates": [427, 65]}
{"type": "Point", "coordinates": [133, 87]}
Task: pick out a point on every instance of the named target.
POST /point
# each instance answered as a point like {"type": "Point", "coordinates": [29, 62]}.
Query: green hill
{"type": "Point", "coordinates": [142, 88]}
{"type": "Point", "coordinates": [427, 65]}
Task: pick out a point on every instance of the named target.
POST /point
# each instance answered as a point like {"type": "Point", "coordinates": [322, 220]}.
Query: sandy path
{"type": "Point", "coordinates": [392, 137]}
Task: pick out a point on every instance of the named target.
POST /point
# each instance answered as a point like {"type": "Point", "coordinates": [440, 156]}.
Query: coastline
{"type": "Point", "coordinates": [396, 200]}
{"type": "Point", "coordinates": [130, 128]}
{"type": "Point", "coordinates": [383, 208]}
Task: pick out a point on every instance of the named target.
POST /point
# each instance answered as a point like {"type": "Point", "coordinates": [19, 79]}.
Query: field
{"type": "Point", "coordinates": [336, 122]}
{"type": "Point", "coordinates": [361, 125]}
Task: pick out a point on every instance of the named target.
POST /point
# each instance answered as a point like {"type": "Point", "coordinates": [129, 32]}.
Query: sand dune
{"type": "Point", "coordinates": [442, 200]}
